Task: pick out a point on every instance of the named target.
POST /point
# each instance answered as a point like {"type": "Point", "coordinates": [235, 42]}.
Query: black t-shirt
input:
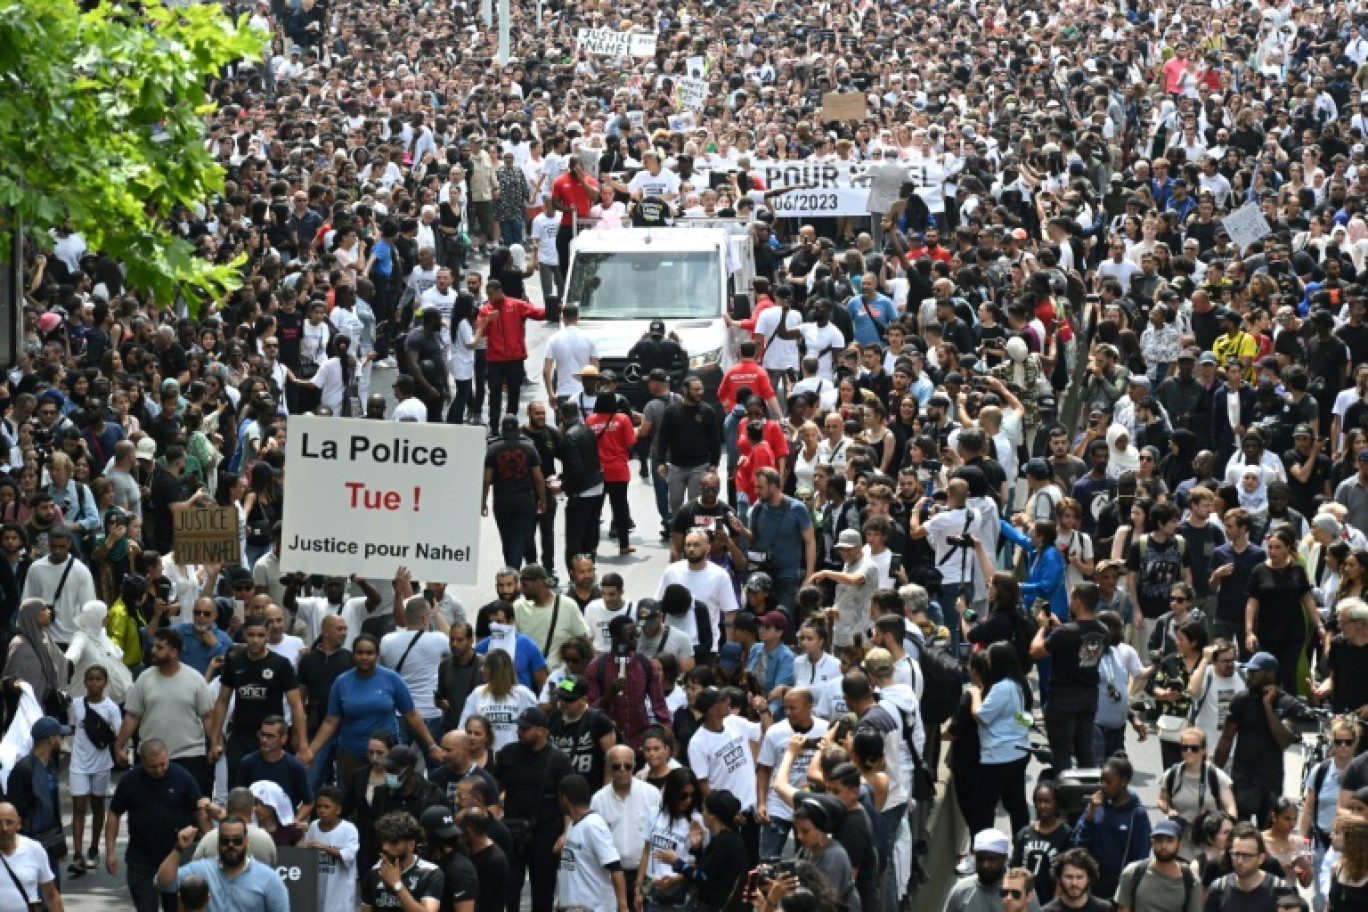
{"type": "Point", "coordinates": [1201, 545]}
{"type": "Point", "coordinates": [512, 462]}
{"type": "Point", "coordinates": [493, 867]}
{"type": "Point", "coordinates": [173, 360]}
{"type": "Point", "coordinates": [1036, 852]}
{"type": "Point", "coordinates": [1349, 664]}
{"type": "Point", "coordinates": [1258, 759]}
{"type": "Point", "coordinates": [1304, 493]}
{"type": "Point", "coordinates": [1225, 896]}
{"type": "Point", "coordinates": [693, 515]}
{"type": "Point", "coordinates": [1076, 647]}
{"type": "Point", "coordinates": [579, 740]}
{"type": "Point", "coordinates": [290, 333]}
{"type": "Point", "coordinates": [259, 687]}
{"type": "Point", "coordinates": [1279, 593]}
{"type": "Point", "coordinates": [460, 883]}
{"type": "Point", "coordinates": [529, 779]}
{"type": "Point", "coordinates": [157, 809]}
{"type": "Point", "coordinates": [423, 880]}
{"type": "Point", "coordinates": [317, 671]}
{"type": "Point", "coordinates": [166, 489]}
{"type": "Point", "coordinates": [1092, 905]}
{"type": "Point", "coordinates": [650, 212]}
{"type": "Point", "coordinates": [856, 836]}
{"type": "Point", "coordinates": [428, 347]}
{"type": "Point", "coordinates": [1160, 566]}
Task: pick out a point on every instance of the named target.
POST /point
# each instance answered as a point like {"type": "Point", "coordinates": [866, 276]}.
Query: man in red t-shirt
{"type": "Point", "coordinates": [572, 194]}
{"type": "Point", "coordinates": [747, 372]}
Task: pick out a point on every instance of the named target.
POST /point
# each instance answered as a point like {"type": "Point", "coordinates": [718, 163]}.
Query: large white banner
{"type": "Point", "coordinates": [608, 43]}
{"type": "Point", "coordinates": [369, 497]}
{"type": "Point", "coordinates": [826, 189]}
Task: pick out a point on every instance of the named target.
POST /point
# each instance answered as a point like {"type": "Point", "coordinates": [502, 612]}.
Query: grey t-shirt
{"type": "Point", "coordinates": [127, 495]}
{"type": "Point", "coordinates": [1155, 892]}
{"type": "Point", "coordinates": [172, 710]}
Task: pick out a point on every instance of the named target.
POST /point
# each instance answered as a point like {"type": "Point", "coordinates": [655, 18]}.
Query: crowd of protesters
{"type": "Point", "coordinates": [1033, 445]}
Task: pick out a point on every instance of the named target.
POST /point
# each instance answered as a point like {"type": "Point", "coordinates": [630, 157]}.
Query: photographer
{"type": "Point", "coordinates": [948, 531]}
{"type": "Point", "coordinates": [1076, 649]}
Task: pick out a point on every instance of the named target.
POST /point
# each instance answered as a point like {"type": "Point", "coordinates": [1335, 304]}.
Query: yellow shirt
{"type": "Point", "coordinates": [1241, 345]}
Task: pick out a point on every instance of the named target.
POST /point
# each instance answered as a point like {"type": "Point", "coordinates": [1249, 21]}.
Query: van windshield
{"type": "Point", "coordinates": [644, 285]}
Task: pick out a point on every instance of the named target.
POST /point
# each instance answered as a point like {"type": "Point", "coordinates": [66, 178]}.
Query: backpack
{"type": "Point", "coordinates": [1189, 883]}
{"type": "Point", "coordinates": [1023, 632]}
{"type": "Point", "coordinates": [1318, 781]}
{"type": "Point", "coordinates": [1144, 546]}
{"type": "Point", "coordinates": [1173, 780]}
{"type": "Point", "coordinates": [942, 683]}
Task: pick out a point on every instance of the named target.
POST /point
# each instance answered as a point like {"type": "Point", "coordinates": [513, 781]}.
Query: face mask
{"type": "Point", "coordinates": [392, 780]}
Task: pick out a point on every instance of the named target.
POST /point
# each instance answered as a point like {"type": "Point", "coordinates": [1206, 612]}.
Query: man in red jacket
{"type": "Point", "coordinates": [616, 436]}
{"type": "Point", "coordinates": [506, 354]}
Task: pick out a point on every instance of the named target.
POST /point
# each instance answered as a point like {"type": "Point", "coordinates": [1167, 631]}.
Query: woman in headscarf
{"type": "Point", "coordinates": [1253, 492]}
{"type": "Point", "coordinates": [33, 656]}
{"type": "Point", "coordinates": [92, 646]}
{"type": "Point", "coordinates": [1176, 467]}
{"type": "Point", "coordinates": [1124, 457]}
{"type": "Point", "coordinates": [274, 813]}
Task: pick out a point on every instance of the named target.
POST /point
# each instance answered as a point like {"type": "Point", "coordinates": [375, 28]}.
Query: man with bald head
{"type": "Point", "coordinates": [319, 667]}
{"type": "Point", "coordinates": [456, 766]}
{"type": "Point", "coordinates": [28, 866]}
{"type": "Point", "coordinates": [626, 804]}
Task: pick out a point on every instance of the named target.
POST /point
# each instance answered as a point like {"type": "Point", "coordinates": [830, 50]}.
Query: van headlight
{"type": "Point", "coordinates": [706, 359]}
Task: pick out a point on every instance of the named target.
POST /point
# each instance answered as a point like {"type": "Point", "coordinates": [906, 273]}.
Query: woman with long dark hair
{"type": "Point", "coordinates": [466, 334]}
{"type": "Point", "coordinates": [677, 825]}
{"type": "Point", "coordinates": [1002, 709]}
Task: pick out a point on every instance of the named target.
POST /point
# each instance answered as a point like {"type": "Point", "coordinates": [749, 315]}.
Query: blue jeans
{"type": "Point", "coordinates": [892, 820]}
{"type": "Point", "coordinates": [511, 231]}
{"type": "Point", "coordinates": [662, 495]}
{"type": "Point", "coordinates": [950, 616]}
{"type": "Point", "coordinates": [773, 837]}
{"type": "Point", "coordinates": [321, 771]}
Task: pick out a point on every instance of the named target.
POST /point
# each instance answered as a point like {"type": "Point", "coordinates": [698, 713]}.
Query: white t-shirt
{"type": "Point", "coordinates": [544, 228]}
{"type": "Point", "coordinates": [30, 865]}
{"type": "Point", "coordinates": [724, 759]}
{"type": "Point", "coordinates": [1214, 706]}
{"type": "Point", "coordinates": [597, 618]}
{"type": "Point", "coordinates": [336, 876]}
{"type": "Point", "coordinates": [667, 833]}
{"type": "Point", "coordinates": [823, 343]}
{"type": "Point", "coordinates": [711, 586]}
{"type": "Point", "coordinates": [353, 611]}
{"type": "Point", "coordinates": [663, 185]}
{"type": "Point", "coordinates": [812, 675]}
{"type": "Point", "coordinates": [462, 352]}
{"type": "Point", "coordinates": [420, 667]}
{"type": "Point", "coordinates": [502, 713]}
{"type": "Point", "coordinates": [780, 354]}
{"type": "Point", "coordinates": [831, 701]}
{"type": "Point", "coordinates": [571, 351]}
{"type": "Point", "coordinates": [413, 408]}
{"type": "Point", "coordinates": [86, 758]}
{"type": "Point", "coordinates": [584, 879]}
{"type": "Point", "coordinates": [628, 818]}
{"type": "Point", "coordinates": [772, 748]}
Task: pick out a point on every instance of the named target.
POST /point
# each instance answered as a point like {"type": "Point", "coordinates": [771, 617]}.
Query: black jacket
{"type": "Point", "coordinates": [580, 469]}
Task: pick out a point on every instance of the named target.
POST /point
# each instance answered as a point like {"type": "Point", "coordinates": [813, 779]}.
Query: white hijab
{"type": "Point", "coordinates": [1123, 459]}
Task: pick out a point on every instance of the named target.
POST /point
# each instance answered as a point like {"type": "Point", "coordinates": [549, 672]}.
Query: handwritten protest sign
{"type": "Point", "coordinates": [1246, 225]}
{"type": "Point", "coordinates": [206, 535]}
{"type": "Point", "coordinates": [844, 106]}
{"type": "Point", "coordinates": [608, 43]}
{"type": "Point", "coordinates": [691, 93]}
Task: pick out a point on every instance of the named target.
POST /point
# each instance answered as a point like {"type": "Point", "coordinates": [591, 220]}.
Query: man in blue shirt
{"type": "Point", "coordinates": [204, 641]}
{"type": "Point", "coordinates": [870, 311]}
{"type": "Point", "coordinates": [528, 661]}
{"type": "Point", "coordinates": [237, 882]}
{"type": "Point", "coordinates": [771, 661]}
{"type": "Point", "coordinates": [1231, 566]}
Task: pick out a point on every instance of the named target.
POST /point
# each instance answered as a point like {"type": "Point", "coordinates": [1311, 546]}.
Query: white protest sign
{"type": "Point", "coordinates": [691, 93]}
{"type": "Point", "coordinates": [681, 123]}
{"type": "Point", "coordinates": [1246, 225]}
{"type": "Point", "coordinates": [826, 189]}
{"type": "Point", "coordinates": [368, 497]}
{"type": "Point", "coordinates": [608, 43]}
{"type": "Point", "coordinates": [696, 67]}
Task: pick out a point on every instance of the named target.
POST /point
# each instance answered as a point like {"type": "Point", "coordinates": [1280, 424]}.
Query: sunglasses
{"type": "Point", "coordinates": [1344, 742]}
{"type": "Point", "coordinates": [1178, 600]}
{"type": "Point", "coordinates": [1192, 748]}
{"type": "Point", "coordinates": [1010, 893]}
{"type": "Point", "coordinates": [622, 766]}
{"type": "Point", "coordinates": [232, 840]}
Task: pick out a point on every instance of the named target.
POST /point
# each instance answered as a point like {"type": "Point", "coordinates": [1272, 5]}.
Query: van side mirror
{"type": "Point", "coordinates": [741, 307]}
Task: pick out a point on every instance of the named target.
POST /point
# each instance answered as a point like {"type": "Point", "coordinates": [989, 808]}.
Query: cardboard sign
{"type": "Point", "coordinates": [1246, 225]}
{"type": "Point", "coordinates": [298, 868]}
{"type": "Point", "coordinates": [368, 497]}
{"type": "Point", "coordinates": [206, 535]}
{"type": "Point", "coordinates": [608, 43]}
{"type": "Point", "coordinates": [844, 106]}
